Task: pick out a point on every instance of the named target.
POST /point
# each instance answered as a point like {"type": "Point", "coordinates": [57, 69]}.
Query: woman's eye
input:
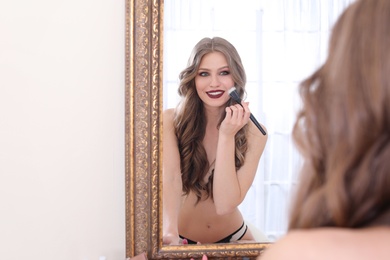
{"type": "Point", "coordinates": [203, 74]}
{"type": "Point", "coordinates": [225, 72]}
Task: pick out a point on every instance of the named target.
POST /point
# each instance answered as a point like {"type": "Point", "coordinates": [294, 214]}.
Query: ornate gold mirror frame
{"type": "Point", "coordinates": [143, 116]}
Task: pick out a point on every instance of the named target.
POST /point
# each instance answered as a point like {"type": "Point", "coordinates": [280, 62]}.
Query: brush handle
{"type": "Point", "coordinates": [257, 124]}
{"type": "Point", "coordinates": [237, 98]}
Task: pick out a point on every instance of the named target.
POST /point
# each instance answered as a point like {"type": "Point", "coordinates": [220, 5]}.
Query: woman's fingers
{"type": "Point", "coordinates": [238, 113]}
{"type": "Point", "coordinates": [247, 112]}
{"type": "Point", "coordinates": [236, 117]}
{"type": "Point", "coordinates": [204, 257]}
{"type": "Point", "coordinates": [174, 240]}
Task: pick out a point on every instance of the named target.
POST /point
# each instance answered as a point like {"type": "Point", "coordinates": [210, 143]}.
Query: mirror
{"type": "Point", "coordinates": [185, 23]}
{"type": "Point", "coordinates": [145, 97]}
{"type": "Point", "coordinates": [144, 41]}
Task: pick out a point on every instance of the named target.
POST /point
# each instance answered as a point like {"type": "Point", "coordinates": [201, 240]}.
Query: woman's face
{"type": "Point", "coordinates": [213, 80]}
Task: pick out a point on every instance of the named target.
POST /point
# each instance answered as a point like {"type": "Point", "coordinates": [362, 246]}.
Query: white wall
{"type": "Point", "coordinates": [62, 129]}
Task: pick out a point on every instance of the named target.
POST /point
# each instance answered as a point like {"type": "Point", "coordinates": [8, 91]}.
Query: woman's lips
{"type": "Point", "coordinates": [215, 93]}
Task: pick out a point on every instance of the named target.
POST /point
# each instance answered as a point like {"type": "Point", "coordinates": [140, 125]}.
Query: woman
{"type": "Point", "coordinates": [342, 208]}
{"type": "Point", "coordinates": [211, 150]}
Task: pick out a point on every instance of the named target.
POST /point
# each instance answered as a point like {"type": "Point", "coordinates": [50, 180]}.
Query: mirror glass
{"type": "Point", "coordinates": [280, 43]}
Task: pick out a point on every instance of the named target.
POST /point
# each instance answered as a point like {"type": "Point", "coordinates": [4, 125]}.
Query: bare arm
{"type": "Point", "coordinates": [172, 183]}
{"type": "Point", "coordinates": [230, 186]}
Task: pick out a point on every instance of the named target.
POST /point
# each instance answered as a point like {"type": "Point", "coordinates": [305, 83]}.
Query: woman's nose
{"type": "Point", "coordinates": [214, 81]}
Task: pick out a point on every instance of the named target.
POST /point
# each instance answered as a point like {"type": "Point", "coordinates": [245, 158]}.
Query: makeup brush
{"type": "Point", "coordinates": [233, 93]}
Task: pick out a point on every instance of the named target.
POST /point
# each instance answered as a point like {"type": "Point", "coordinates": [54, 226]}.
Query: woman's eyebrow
{"type": "Point", "coordinates": [221, 68]}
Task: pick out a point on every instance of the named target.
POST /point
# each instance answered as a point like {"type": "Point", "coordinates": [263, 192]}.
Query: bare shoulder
{"type": "Point", "coordinates": [168, 118]}
{"type": "Point", "coordinates": [328, 243]}
{"type": "Point", "coordinates": [168, 115]}
{"type": "Point", "coordinates": [171, 151]}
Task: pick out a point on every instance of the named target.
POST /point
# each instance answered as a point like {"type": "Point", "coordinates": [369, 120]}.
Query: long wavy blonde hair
{"type": "Point", "coordinates": [190, 119]}
{"type": "Point", "coordinates": [343, 129]}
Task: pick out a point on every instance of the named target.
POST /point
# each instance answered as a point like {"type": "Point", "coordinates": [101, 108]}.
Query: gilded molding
{"type": "Point", "coordinates": [143, 120]}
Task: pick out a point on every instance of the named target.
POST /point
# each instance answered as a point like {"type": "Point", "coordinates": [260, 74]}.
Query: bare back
{"type": "Point", "coordinates": [332, 243]}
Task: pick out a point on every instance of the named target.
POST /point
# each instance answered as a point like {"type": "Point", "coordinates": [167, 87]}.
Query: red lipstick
{"type": "Point", "coordinates": [215, 93]}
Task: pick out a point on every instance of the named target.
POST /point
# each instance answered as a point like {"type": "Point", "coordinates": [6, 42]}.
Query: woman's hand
{"type": "Point", "coordinates": [237, 116]}
{"type": "Point", "coordinates": [204, 257]}
{"type": "Point", "coordinates": [172, 240]}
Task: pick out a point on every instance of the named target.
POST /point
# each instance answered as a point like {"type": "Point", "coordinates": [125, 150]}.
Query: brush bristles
{"type": "Point", "coordinates": [232, 89]}
{"type": "Point", "coordinates": [233, 93]}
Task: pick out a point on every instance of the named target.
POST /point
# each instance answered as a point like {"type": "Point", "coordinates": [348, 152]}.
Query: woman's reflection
{"type": "Point", "coordinates": [211, 150]}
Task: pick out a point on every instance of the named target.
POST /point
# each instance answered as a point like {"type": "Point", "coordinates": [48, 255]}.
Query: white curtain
{"type": "Point", "coordinates": [280, 42]}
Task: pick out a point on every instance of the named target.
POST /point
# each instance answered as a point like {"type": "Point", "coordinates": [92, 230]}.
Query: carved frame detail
{"type": "Point", "coordinates": [143, 120]}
